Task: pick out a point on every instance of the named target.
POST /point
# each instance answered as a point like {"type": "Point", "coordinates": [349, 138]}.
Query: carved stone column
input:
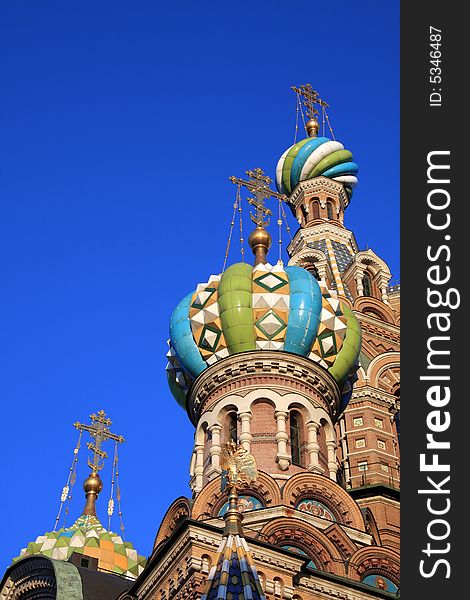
{"type": "Point", "coordinates": [313, 448]}
{"type": "Point", "coordinates": [199, 467]}
{"type": "Point", "coordinates": [215, 451]}
{"type": "Point", "coordinates": [359, 285]}
{"type": "Point", "coordinates": [283, 459]}
{"type": "Point", "coordinates": [332, 464]}
{"type": "Point", "coordinates": [245, 434]}
{"type": "Point", "coordinates": [383, 285]}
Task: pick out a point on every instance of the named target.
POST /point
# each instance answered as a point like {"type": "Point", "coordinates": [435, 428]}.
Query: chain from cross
{"type": "Point", "coordinates": [311, 98]}
{"type": "Point", "coordinates": [99, 431]}
{"type": "Point", "coordinates": [258, 184]}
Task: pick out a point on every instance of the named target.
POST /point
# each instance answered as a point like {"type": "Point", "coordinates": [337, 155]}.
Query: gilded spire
{"type": "Point", "coordinates": [238, 469]}
{"type": "Point", "coordinates": [258, 184]}
{"type": "Point", "coordinates": [234, 571]}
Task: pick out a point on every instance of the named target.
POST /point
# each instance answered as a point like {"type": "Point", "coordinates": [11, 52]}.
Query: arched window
{"type": "Point", "coordinates": [315, 210]}
{"type": "Point", "coordinates": [311, 268]}
{"type": "Point", "coordinates": [232, 427]}
{"type": "Point", "coordinates": [329, 211]}
{"type": "Point", "coordinates": [367, 284]}
{"type": "Point", "coordinates": [295, 440]}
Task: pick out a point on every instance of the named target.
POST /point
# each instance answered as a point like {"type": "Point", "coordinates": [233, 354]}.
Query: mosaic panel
{"type": "Point", "coordinates": [271, 297]}
{"type": "Point", "coordinates": [331, 332]}
{"type": "Point", "coordinates": [205, 321]}
{"type": "Point", "coordinates": [313, 507]}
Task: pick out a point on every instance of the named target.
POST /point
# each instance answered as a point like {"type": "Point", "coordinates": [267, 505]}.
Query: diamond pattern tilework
{"type": "Point", "coordinates": [205, 321]}
{"type": "Point", "coordinates": [173, 366]}
{"type": "Point", "coordinates": [270, 324]}
{"type": "Point", "coordinates": [87, 536]}
{"type": "Point", "coordinates": [271, 297]}
{"type": "Point", "coordinates": [332, 330]}
{"type": "Point", "coordinates": [342, 254]}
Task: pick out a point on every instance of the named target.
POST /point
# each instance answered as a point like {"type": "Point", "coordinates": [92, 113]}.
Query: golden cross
{"type": "Point", "coordinates": [258, 184]}
{"type": "Point", "coordinates": [99, 431]}
{"type": "Point", "coordinates": [311, 98]}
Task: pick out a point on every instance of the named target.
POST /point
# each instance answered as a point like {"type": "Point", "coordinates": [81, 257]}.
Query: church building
{"type": "Point", "coordinates": [289, 374]}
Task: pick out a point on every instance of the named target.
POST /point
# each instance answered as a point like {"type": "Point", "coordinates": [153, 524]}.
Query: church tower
{"type": "Point", "coordinates": [298, 366]}
{"type": "Point", "coordinates": [367, 433]}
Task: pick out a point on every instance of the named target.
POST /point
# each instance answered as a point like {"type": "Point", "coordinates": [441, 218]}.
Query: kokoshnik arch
{"type": "Point", "coordinates": [297, 365]}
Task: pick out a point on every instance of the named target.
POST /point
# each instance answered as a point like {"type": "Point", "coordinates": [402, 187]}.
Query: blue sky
{"type": "Point", "coordinates": [121, 122]}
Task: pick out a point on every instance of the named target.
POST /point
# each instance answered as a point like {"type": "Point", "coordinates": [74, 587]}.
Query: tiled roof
{"type": "Point", "coordinates": [88, 537]}
{"type": "Point", "coordinates": [234, 575]}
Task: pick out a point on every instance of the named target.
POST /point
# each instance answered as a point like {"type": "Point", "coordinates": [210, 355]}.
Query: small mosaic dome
{"type": "Point", "coordinates": [88, 537]}
{"type": "Point", "coordinates": [315, 157]}
{"type": "Point", "coordinates": [266, 307]}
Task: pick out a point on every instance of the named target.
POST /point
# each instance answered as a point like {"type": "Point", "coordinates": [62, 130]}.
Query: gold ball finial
{"type": "Point", "coordinates": [92, 486]}
{"type": "Point", "coordinates": [260, 242]}
{"type": "Point", "coordinates": [312, 127]}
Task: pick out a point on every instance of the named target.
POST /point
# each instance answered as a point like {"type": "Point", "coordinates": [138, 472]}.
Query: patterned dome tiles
{"type": "Point", "coordinates": [331, 331]}
{"type": "Point", "coordinates": [271, 295]}
{"type": "Point", "coordinates": [266, 307]}
{"type": "Point", "coordinates": [205, 321]}
{"type": "Point", "coordinates": [315, 157]}
{"type": "Point", "coordinates": [87, 536]}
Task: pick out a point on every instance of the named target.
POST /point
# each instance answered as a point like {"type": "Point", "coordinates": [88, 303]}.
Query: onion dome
{"type": "Point", "coordinates": [265, 307]}
{"type": "Point", "coordinates": [88, 537]}
{"type": "Point", "coordinates": [315, 157]}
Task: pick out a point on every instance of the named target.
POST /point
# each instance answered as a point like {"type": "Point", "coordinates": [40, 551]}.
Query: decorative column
{"type": "Point", "coordinates": [383, 284]}
{"type": "Point", "coordinates": [313, 447]}
{"type": "Point", "coordinates": [215, 451]}
{"type": "Point", "coordinates": [283, 459]}
{"type": "Point", "coordinates": [332, 464]}
{"type": "Point", "coordinates": [344, 447]}
{"type": "Point", "coordinates": [359, 284]}
{"type": "Point", "coordinates": [245, 434]}
{"type": "Point", "coordinates": [199, 467]}
{"type": "Point", "coordinates": [384, 292]}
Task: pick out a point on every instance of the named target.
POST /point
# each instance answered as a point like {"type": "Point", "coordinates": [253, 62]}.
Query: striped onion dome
{"type": "Point", "coordinates": [266, 307]}
{"type": "Point", "coordinates": [89, 538]}
{"type": "Point", "coordinates": [315, 157]}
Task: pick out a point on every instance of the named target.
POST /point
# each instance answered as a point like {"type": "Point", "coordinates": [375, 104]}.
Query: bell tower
{"type": "Point", "coordinates": [368, 430]}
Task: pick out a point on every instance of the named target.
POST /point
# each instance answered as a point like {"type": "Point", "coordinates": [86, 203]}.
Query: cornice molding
{"type": "Point", "coordinates": [366, 391]}
{"type": "Point", "coordinates": [258, 369]}
{"type": "Point", "coordinates": [318, 232]}
{"type": "Point", "coordinates": [318, 185]}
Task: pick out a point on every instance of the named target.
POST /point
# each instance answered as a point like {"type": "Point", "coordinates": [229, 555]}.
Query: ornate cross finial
{"type": "Point", "coordinates": [258, 184]}
{"type": "Point", "coordinates": [311, 98]}
{"type": "Point", "coordinates": [99, 431]}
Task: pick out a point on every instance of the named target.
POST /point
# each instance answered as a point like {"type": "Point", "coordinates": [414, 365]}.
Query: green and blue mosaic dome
{"type": "Point", "coordinates": [315, 157]}
{"type": "Point", "coordinates": [266, 307]}
{"type": "Point", "coordinates": [88, 537]}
